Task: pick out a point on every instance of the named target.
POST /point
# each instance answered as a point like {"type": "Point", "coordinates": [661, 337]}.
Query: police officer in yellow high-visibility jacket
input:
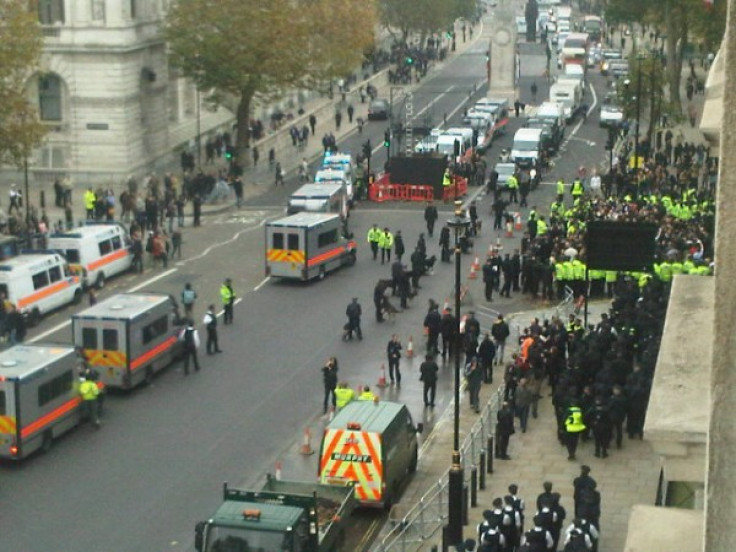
{"type": "Point", "coordinates": [385, 243]}
{"type": "Point", "coordinates": [343, 395]}
{"type": "Point", "coordinates": [513, 186]}
{"type": "Point", "coordinates": [89, 392]}
{"type": "Point", "coordinates": [90, 200]}
{"type": "Point", "coordinates": [366, 394]}
{"type": "Point", "coordinates": [446, 179]}
{"type": "Point", "coordinates": [227, 296]}
{"type": "Point", "coordinates": [374, 236]}
{"type": "Point", "coordinates": [560, 189]}
{"type": "Point", "coordinates": [577, 189]}
{"type": "Point", "coordinates": [574, 426]}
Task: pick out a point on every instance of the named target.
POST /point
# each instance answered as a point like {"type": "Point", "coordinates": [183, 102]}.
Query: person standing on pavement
{"type": "Point", "coordinates": [188, 297]}
{"type": "Point", "coordinates": [523, 399]}
{"type": "Point", "coordinates": [599, 420]}
{"type": "Point", "coordinates": [90, 200]}
{"type": "Point", "coordinates": [428, 376]}
{"type": "Point", "coordinates": [584, 480]}
{"type": "Point", "coordinates": [486, 353]}
{"type": "Point", "coordinates": [353, 312]}
{"type": "Point", "coordinates": [338, 120]}
{"type": "Point", "coordinates": [312, 122]}
{"type": "Point", "coordinates": [445, 244]}
{"type": "Point", "coordinates": [190, 340]}
{"type": "Point", "coordinates": [489, 278]}
{"type": "Point", "coordinates": [351, 112]}
{"type": "Point", "coordinates": [89, 393]}
{"type": "Point", "coordinates": [197, 210]}
{"type": "Point", "coordinates": [430, 216]}
{"type": "Point", "coordinates": [210, 322]}
{"type": "Point", "coordinates": [227, 296]}
{"type": "Point", "coordinates": [617, 407]}
{"type": "Point", "coordinates": [448, 331]}
{"type": "Point", "coordinates": [433, 323]}
{"type": "Point", "coordinates": [574, 426]}
{"type": "Point", "coordinates": [278, 175]}
{"type": "Point", "coordinates": [399, 248]}
{"type": "Point", "coordinates": [374, 236]}
{"type": "Point", "coordinates": [500, 332]}
{"type": "Point", "coordinates": [589, 505]}
{"type": "Point", "coordinates": [329, 379]}
{"type": "Point", "coordinates": [504, 431]}
{"type": "Point", "coordinates": [385, 243]}
{"type": "Point", "coordinates": [393, 351]}
{"type": "Point", "coordinates": [474, 376]}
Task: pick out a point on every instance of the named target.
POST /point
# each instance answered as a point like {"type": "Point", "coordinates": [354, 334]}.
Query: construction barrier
{"type": "Point", "coordinates": [460, 183]}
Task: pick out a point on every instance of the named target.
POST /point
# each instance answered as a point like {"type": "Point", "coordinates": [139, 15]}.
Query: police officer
{"type": "Point", "coordinates": [430, 216]}
{"type": "Point", "coordinates": [385, 243]}
{"type": "Point", "coordinates": [393, 351]}
{"type": "Point", "coordinates": [513, 186]}
{"type": "Point", "coordinates": [581, 482]}
{"type": "Point", "coordinates": [210, 322]}
{"type": "Point", "coordinates": [353, 312]}
{"type": "Point", "coordinates": [374, 235]}
{"type": "Point", "coordinates": [227, 296]}
{"type": "Point", "coordinates": [490, 273]}
{"type": "Point", "coordinates": [89, 393]}
{"type": "Point", "coordinates": [600, 420]}
{"type": "Point", "coordinates": [574, 426]}
{"type": "Point", "coordinates": [343, 395]}
{"type": "Point", "coordinates": [366, 394]}
{"type": "Point", "coordinates": [190, 338]}
{"type": "Point", "coordinates": [577, 189]}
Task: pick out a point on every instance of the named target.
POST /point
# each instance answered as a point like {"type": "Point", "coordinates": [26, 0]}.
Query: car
{"type": "Point", "coordinates": [594, 56]}
{"type": "Point", "coordinates": [611, 114]}
{"type": "Point", "coordinates": [619, 68]}
{"type": "Point", "coordinates": [504, 171]}
{"type": "Point", "coordinates": [607, 56]}
{"type": "Point", "coordinates": [378, 110]}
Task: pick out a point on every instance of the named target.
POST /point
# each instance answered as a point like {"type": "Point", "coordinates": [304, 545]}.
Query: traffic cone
{"type": "Point", "coordinates": [472, 275]}
{"type": "Point", "coordinates": [307, 449]}
{"type": "Point", "coordinates": [490, 250]}
{"type": "Point", "coordinates": [410, 348]}
{"type": "Point", "coordinates": [476, 264]}
{"type": "Point", "coordinates": [499, 247]}
{"type": "Point", "coordinates": [382, 377]}
{"type": "Point", "coordinates": [277, 473]}
{"type": "Point", "coordinates": [446, 305]}
{"type": "Point", "coordinates": [517, 220]}
{"type": "Point", "coordinates": [509, 230]}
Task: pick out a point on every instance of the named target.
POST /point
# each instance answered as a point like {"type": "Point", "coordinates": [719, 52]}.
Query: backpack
{"type": "Point", "coordinates": [576, 543]}
{"type": "Point", "coordinates": [188, 296]}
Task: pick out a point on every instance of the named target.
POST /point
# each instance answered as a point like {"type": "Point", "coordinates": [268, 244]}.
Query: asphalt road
{"type": "Point", "coordinates": [157, 465]}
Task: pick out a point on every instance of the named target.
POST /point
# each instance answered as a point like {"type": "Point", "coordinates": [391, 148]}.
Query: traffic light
{"type": "Point", "coordinates": [387, 139]}
{"type": "Point", "coordinates": [488, 55]}
{"type": "Point", "coordinates": [449, 33]}
{"type": "Point", "coordinates": [229, 152]}
{"type": "Point", "coordinates": [409, 60]}
{"type": "Point", "coordinates": [367, 149]}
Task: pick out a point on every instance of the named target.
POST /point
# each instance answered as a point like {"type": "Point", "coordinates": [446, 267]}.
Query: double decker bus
{"type": "Point", "coordinates": [593, 25]}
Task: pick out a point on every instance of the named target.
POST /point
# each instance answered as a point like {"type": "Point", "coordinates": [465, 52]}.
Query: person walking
{"type": "Point", "coordinates": [329, 379]}
{"type": "Point", "coordinates": [433, 323]}
{"type": "Point", "coordinates": [338, 120]}
{"type": "Point", "coordinates": [278, 175]}
{"type": "Point", "coordinates": [617, 407]}
{"type": "Point", "coordinates": [227, 296]}
{"type": "Point", "coordinates": [490, 273]}
{"type": "Point", "coordinates": [374, 236]}
{"type": "Point", "coordinates": [312, 122]}
{"type": "Point", "coordinates": [523, 398]}
{"type": "Point", "coordinates": [486, 353]}
{"type": "Point", "coordinates": [188, 297]}
{"type": "Point", "coordinates": [393, 351]}
{"type": "Point", "coordinates": [351, 112]}
{"type": "Point", "coordinates": [353, 312]}
{"type": "Point", "coordinates": [504, 431]}
{"type": "Point", "coordinates": [599, 419]}
{"type": "Point", "coordinates": [190, 339]}
{"type": "Point", "coordinates": [210, 322]}
{"type": "Point", "coordinates": [500, 332]}
{"type": "Point", "coordinates": [474, 376]}
{"type": "Point", "coordinates": [399, 248]}
{"type": "Point", "coordinates": [385, 243]}
{"type": "Point", "coordinates": [430, 217]}
{"type": "Point", "coordinates": [428, 376]}
{"type": "Point", "coordinates": [583, 481]}
{"type": "Point", "coordinates": [89, 393]}
{"type": "Point", "coordinates": [574, 426]}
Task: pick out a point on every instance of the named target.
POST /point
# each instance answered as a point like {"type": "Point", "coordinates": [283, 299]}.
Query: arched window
{"type": "Point", "coordinates": [50, 12]}
{"type": "Point", "coordinates": [49, 97]}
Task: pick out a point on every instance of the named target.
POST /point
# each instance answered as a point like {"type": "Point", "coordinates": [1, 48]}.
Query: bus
{"type": "Point", "coordinates": [575, 50]}
{"type": "Point", "coordinates": [593, 25]}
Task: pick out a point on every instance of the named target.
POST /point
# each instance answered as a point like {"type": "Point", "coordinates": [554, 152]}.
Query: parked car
{"type": "Point", "coordinates": [611, 115]}
{"type": "Point", "coordinates": [378, 110]}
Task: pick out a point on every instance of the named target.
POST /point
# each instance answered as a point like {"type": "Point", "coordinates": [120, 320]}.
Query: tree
{"type": "Point", "coordinates": [255, 50]}
{"type": "Point", "coordinates": [21, 43]}
{"type": "Point", "coordinates": [420, 17]}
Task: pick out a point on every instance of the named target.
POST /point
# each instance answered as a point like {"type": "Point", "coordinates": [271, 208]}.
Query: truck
{"type": "Point", "coordinates": [321, 197]}
{"type": "Point", "coordinates": [567, 94]}
{"type": "Point", "coordinates": [284, 516]}
{"type": "Point", "coordinates": [304, 246]}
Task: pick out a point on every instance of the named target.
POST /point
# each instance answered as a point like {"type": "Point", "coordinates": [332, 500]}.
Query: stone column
{"type": "Point", "coordinates": [503, 53]}
{"type": "Point", "coordinates": [720, 529]}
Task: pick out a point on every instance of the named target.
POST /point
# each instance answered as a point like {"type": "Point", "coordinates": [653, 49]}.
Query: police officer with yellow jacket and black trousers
{"type": "Point", "coordinates": [385, 243]}
{"type": "Point", "coordinates": [574, 426]}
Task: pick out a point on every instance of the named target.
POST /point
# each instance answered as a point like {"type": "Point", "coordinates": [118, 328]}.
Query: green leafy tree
{"type": "Point", "coordinates": [21, 43]}
{"type": "Point", "coordinates": [256, 50]}
{"type": "Point", "coordinates": [403, 17]}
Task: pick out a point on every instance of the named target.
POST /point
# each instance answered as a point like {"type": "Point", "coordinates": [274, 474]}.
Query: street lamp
{"type": "Point", "coordinates": [638, 114]}
{"type": "Point", "coordinates": [458, 223]}
{"type": "Point", "coordinates": [199, 128]}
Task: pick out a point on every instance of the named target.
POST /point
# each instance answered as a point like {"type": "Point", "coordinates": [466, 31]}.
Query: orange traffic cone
{"type": "Point", "coordinates": [277, 473]}
{"type": "Point", "coordinates": [517, 221]}
{"type": "Point", "coordinates": [306, 449]}
{"type": "Point", "coordinates": [509, 230]}
{"type": "Point", "coordinates": [382, 377]}
{"type": "Point", "coordinates": [472, 275]}
{"type": "Point", "coordinates": [476, 264]}
{"type": "Point", "coordinates": [410, 348]}
{"type": "Point", "coordinates": [490, 250]}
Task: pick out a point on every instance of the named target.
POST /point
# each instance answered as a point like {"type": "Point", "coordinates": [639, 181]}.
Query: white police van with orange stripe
{"type": "Point", "coordinates": [307, 245]}
{"type": "Point", "coordinates": [38, 282]}
{"type": "Point", "coordinates": [98, 250]}
{"type": "Point", "coordinates": [39, 397]}
{"type": "Point", "coordinates": [372, 444]}
{"type": "Point", "coordinates": [129, 337]}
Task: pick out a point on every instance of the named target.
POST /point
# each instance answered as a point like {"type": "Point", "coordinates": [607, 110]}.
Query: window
{"type": "Point", "coordinates": [292, 242]}
{"type": "Point", "coordinates": [2, 403]}
{"type": "Point", "coordinates": [105, 247]}
{"type": "Point", "coordinates": [55, 274]}
{"type": "Point", "coordinates": [40, 280]}
{"type": "Point", "coordinates": [72, 256]}
{"type": "Point", "coordinates": [49, 97]}
{"type": "Point", "coordinates": [327, 238]}
{"type": "Point", "coordinates": [50, 12]}
{"type": "Point", "coordinates": [117, 243]}
{"type": "Point", "coordinates": [110, 340]}
{"type": "Point", "coordinates": [155, 329]}
{"type": "Point", "coordinates": [67, 272]}
{"type": "Point", "coordinates": [89, 338]}
{"type": "Point", "coordinates": [278, 240]}
{"type": "Point", "coordinates": [55, 388]}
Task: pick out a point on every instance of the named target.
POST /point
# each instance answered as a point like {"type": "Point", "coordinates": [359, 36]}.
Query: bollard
{"type": "Point", "coordinates": [473, 486]}
{"type": "Point", "coordinates": [482, 471]}
{"type": "Point", "coordinates": [465, 504]}
{"type": "Point", "coordinates": [42, 199]}
{"type": "Point", "coordinates": [491, 453]}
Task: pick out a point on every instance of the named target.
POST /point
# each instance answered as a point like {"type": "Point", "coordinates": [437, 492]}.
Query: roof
{"type": "Point", "coordinates": [22, 361]}
{"type": "Point", "coordinates": [89, 230]}
{"type": "Point", "coordinates": [320, 189]}
{"type": "Point", "coordinates": [373, 417]}
{"type": "Point", "coordinates": [27, 259]}
{"type": "Point", "coordinates": [304, 219]}
{"type": "Point", "coordinates": [524, 133]}
{"type": "Point", "coordinates": [274, 517]}
{"type": "Point", "coordinates": [124, 306]}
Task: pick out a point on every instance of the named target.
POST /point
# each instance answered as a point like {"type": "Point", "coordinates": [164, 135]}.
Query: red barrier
{"type": "Point", "coordinates": [461, 184]}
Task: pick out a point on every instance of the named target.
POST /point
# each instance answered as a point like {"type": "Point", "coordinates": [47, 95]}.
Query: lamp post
{"type": "Point", "coordinates": [458, 223]}
{"type": "Point", "coordinates": [27, 198]}
{"type": "Point", "coordinates": [638, 114]}
{"type": "Point", "coordinates": [199, 129]}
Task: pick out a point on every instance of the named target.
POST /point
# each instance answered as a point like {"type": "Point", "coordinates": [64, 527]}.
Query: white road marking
{"type": "Point", "coordinates": [263, 283]}
{"type": "Point", "coordinates": [220, 244]}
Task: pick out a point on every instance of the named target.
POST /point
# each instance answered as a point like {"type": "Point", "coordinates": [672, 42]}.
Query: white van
{"type": "Point", "coordinates": [39, 282]}
{"type": "Point", "coordinates": [552, 111]}
{"type": "Point", "coordinates": [99, 250]}
{"type": "Point", "coordinates": [325, 197]}
{"type": "Point", "coordinates": [568, 96]}
{"type": "Point", "coordinates": [526, 150]}
{"type": "Point", "coordinates": [342, 176]}
{"type": "Point", "coordinates": [446, 141]}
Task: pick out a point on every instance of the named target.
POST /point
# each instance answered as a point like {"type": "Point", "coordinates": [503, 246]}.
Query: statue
{"type": "Point", "coordinates": [531, 13]}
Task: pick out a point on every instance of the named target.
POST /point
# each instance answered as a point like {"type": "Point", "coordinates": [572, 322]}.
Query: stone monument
{"type": "Point", "coordinates": [503, 53]}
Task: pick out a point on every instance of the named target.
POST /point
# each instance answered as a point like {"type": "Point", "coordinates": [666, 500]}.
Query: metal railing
{"type": "Point", "coordinates": [428, 515]}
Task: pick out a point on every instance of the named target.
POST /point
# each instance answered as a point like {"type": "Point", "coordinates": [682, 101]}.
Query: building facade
{"type": "Point", "coordinates": [113, 105]}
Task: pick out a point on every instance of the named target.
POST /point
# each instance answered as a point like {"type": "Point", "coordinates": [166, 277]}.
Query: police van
{"type": "Point", "coordinates": [323, 197]}
{"type": "Point", "coordinates": [39, 282]}
{"type": "Point", "coordinates": [39, 397]}
{"type": "Point", "coordinates": [98, 251]}
{"type": "Point", "coordinates": [337, 176]}
{"type": "Point", "coordinates": [307, 245]}
{"type": "Point", "coordinates": [129, 337]}
{"type": "Point", "coordinates": [339, 162]}
{"type": "Point", "coordinates": [373, 445]}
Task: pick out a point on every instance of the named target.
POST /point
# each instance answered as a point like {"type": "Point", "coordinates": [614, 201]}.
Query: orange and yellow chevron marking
{"type": "Point", "coordinates": [7, 425]}
{"type": "Point", "coordinates": [114, 359]}
{"type": "Point", "coordinates": [355, 456]}
{"type": "Point", "coordinates": [285, 256]}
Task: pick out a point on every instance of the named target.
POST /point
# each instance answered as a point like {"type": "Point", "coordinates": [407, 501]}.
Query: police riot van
{"type": "Point", "coordinates": [98, 251]}
{"type": "Point", "coordinates": [337, 176]}
{"type": "Point", "coordinates": [324, 197]}
{"type": "Point", "coordinates": [39, 397]}
{"type": "Point", "coordinates": [372, 444]}
{"type": "Point", "coordinates": [308, 245]}
{"type": "Point", "coordinates": [338, 162]}
{"type": "Point", "coordinates": [39, 282]}
{"type": "Point", "coordinates": [129, 337]}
